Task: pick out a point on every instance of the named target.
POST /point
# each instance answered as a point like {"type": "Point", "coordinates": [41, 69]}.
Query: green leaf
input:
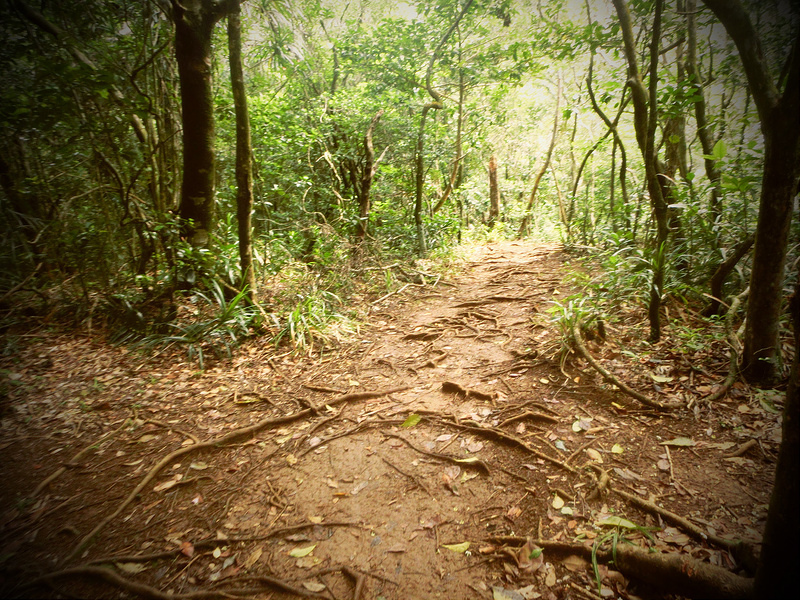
{"type": "Point", "coordinates": [614, 521]}
{"type": "Point", "coordinates": [412, 420]}
{"type": "Point", "coordinates": [719, 151]}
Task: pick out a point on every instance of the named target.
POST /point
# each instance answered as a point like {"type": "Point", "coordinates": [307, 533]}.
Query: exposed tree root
{"type": "Point", "coordinates": [671, 573]}
{"type": "Point", "coordinates": [449, 387]}
{"type": "Point", "coordinates": [733, 345]}
{"type": "Point", "coordinates": [478, 464]}
{"type": "Point", "coordinates": [410, 476]}
{"type": "Point", "coordinates": [581, 348]}
{"type": "Point", "coordinates": [529, 415]}
{"type": "Point", "coordinates": [224, 439]}
{"type": "Point", "coordinates": [77, 457]}
{"type": "Point", "coordinates": [497, 434]}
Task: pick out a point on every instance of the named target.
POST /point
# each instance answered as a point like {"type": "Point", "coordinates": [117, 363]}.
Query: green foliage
{"type": "Point", "coordinates": [314, 323]}
{"type": "Point", "coordinates": [217, 325]}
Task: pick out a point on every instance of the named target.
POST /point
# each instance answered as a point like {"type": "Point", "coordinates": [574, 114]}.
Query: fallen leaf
{"type": "Point", "coordinates": [558, 502]}
{"type": "Point", "coordinates": [253, 558]}
{"type": "Point", "coordinates": [514, 512]}
{"type": "Point", "coordinates": [679, 441]}
{"type": "Point", "coordinates": [499, 593]}
{"type": "Point", "coordinates": [146, 438]}
{"type": "Point", "coordinates": [661, 378]}
{"type": "Point", "coordinates": [187, 549]}
{"type": "Point", "coordinates": [614, 521]}
{"type": "Point", "coordinates": [301, 552]}
{"type": "Point", "coordinates": [617, 449]}
{"type": "Point", "coordinates": [130, 568]}
{"type": "Point", "coordinates": [168, 484]}
{"type": "Point", "coordinates": [313, 586]}
{"type": "Point", "coordinates": [332, 483]}
{"type": "Point", "coordinates": [358, 488]}
{"type": "Point", "coordinates": [314, 519]}
{"type": "Point", "coordinates": [594, 455]}
{"type": "Point", "coordinates": [291, 459]}
{"type": "Point", "coordinates": [462, 547]}
{"type": "Point", "coordinates": [574, 563]}
{"type": "Point", "coordinates": [663, 464]}
{"type": "Point", "coordinates": [199, 465]}
{"type": "Point", "coordinates": [412, 420]}
{"type": "Point", "coordinates": [445, 437]}
{"type": "Point", "coordinates": [474, 446]}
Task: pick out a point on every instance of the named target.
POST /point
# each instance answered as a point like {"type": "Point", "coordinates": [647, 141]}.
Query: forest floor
{"type": "Point", "coordinates": [429, 458]}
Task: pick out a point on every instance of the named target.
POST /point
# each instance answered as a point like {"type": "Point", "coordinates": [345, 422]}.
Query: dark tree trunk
{"type": "Point", "coordinates": [367, 175]}
{"type": "Point", "coordinates": [776, 576]}
{"type": "Point", "coordinates": [194, 24]}
{"type": "Point", "coordinates": [645, 121]}
{"type": "Point", "coordinates": [780, 124]}
{"type": "Point", "coordinates": [244, 155]}
{"type": "Point", "coordinates": [494, 193]}
{"type": "Point", "coordinates": [722, 272]}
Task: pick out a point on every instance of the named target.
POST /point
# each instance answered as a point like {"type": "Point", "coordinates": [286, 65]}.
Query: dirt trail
{"type": "Point", "coordinates": [357, 498]}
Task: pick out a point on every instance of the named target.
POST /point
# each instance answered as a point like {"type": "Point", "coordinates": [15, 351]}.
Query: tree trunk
{"type": "Point", "coordinates": [645, 121]}
{"type": "Point", "coordinates": [704, 130]}
{"type": "Point", "coordinates": [194, 24]}
{"type": "Point", "coordinates": [523, 227]}
{"type": "Point", "coordinates": [779, 115]}
{"type": "Point", "coordinates": [422, 246]}
{"type": "Point", "coordinates": [370, 166]}
{"type": "Point", "coordinates": [494, 192]}
{"type": "Point", "coordinates": [776, 576]}
{"type": "Point", "coordinates": [244, 156]}
{"type": "Point", "coordinates": [722, 272]}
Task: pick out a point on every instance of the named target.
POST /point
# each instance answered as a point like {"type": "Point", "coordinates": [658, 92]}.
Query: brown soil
{"type": "Point", "coordinates": [350, 494]}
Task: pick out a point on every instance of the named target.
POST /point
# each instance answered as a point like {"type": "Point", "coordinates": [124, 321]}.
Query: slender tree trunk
{"type": "Point", "coordinates": [244, 156]}
{"type": "Point", "coordinates": [780, 123]}
{"type": "Point", "coordinates": [422, 246]}
{"type": "Point", "coordinates": [523, 227]}
{"type": "Point", "coordinates": [367, 175]}
{"type": "Point", "coordinates": [194, 25]}
{"type": "Point", "coordinates": [704, 129]}
{"type": "Point", "coordinates": [645, 121]}
{"type": "Point", "coordinates": [494, 192]}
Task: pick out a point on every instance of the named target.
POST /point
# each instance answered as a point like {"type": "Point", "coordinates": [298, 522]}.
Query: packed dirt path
{"type": "Point", "coordinates": [421, 460]}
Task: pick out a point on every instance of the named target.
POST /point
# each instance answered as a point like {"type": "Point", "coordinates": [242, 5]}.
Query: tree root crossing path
{"type": "Point", "coordinates": [461, 447]}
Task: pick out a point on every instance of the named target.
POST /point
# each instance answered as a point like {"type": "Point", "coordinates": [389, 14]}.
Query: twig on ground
{"type": "Point", "coordinates": [78, 457]}
{"type": "Point", "coordinates": [495, 433]}
{"type": "Point", "coordinates": [412, 477]}
{"type": "Point", "coordinates": [469, 462]}
{"type": "Point", "coordinates": [224, 439]}
{"type": "Point", "coordinates": [579, 346]}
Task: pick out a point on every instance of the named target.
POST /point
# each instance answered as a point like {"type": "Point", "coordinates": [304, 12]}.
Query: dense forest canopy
{"type": "Point", "coordinates": [656, 132]}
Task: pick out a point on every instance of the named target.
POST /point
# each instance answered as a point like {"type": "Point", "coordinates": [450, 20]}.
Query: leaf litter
{"type": "Point", "coordinates": [340, 517]}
